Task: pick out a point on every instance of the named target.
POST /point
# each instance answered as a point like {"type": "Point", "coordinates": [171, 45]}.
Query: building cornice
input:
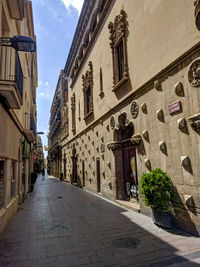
{"type": "Point", "coordinates": [80, 30]}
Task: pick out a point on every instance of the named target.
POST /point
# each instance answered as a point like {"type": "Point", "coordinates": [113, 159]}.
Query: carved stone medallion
{"type": "Point", "coordinates": [112, 122]}
{"type": "Point", "coordinates": [134, 109]}
{"type": "Point", "coordinates": [194, 73]}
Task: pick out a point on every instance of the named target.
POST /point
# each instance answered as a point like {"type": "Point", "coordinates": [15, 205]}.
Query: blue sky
{"type": "Point", "coordinates": [55, 22]}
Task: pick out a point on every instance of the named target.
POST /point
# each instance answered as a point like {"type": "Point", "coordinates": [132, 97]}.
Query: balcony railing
{"type": "Point", "coordinates": [11, 76]}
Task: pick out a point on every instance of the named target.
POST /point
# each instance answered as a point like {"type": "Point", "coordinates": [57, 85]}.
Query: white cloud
{"type": "Point", "coordinates": [45, 90]}
{"type": "Point", "coordinates": [73, 3]}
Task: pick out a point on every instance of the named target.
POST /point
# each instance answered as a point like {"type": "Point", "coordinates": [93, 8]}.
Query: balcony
{"type": "Point", "coordinates": [31, 133]}
{"type": "Point", "coordinates": [16, 8]}
{"type": "Point", "coordinates": [11, 77]}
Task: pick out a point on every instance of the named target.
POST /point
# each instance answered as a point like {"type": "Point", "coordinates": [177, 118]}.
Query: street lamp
{"type": "Point", "coordinates": [40, 133]}
{"type": "Point", "coordinates": [19, 43]}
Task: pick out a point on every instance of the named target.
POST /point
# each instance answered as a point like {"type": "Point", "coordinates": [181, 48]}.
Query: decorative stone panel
{"type": "Point", "coordinates": [194, 73]}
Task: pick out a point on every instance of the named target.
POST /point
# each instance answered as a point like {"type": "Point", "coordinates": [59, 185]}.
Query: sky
{"type": "Point", "coordinates": [54, 23]}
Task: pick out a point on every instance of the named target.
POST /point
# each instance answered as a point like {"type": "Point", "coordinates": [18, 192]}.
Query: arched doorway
{"type": "Point", "coordinates": [125, 161]}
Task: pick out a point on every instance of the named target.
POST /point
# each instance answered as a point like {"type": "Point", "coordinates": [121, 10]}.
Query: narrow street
{"type": "Point", "coordinates": [62, 225]}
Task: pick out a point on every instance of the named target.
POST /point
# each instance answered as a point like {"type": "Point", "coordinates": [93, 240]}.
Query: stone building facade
{"type": "Point", "coordinates": [57, 126]}
{"type": "Point", "coordinates": [133, 101]}
{"type": "Point", "coordinates": [18, 82]}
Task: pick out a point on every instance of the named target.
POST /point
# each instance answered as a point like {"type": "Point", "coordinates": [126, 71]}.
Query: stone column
{"type": "Point", "coordinates": [7, 170]}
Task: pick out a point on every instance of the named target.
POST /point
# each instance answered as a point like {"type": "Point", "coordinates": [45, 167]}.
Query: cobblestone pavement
{"type": "Point", "coordinates": [62, 225]}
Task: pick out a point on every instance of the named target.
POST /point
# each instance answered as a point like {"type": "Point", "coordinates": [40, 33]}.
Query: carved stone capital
{"type": "Point", "coordinates": [194, 122]}
{"type": "Point", "coordinates": [136, 139]}
{"type": "Point", "coordinates": [114, 145]}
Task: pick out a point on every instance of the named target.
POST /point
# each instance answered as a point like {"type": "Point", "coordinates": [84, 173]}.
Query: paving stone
{"type": "Point", "coordinates": [80, 229]}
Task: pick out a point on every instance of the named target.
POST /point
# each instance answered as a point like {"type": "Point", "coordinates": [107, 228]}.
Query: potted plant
{"type": "Point", "coordinates": [156, 189]}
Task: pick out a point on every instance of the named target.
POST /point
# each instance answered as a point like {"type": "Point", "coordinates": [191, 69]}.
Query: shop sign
{"type": "Point", "coordinates": [174, 107]}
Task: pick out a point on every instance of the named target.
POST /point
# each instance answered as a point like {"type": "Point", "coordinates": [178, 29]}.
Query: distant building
{"type": "Point", "coordinates": [57, 126]}
{"type": "Point", "coordinates": [18, 82]}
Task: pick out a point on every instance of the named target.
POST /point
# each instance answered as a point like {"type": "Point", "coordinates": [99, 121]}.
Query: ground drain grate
{"type": "Point", "coordinates": [131, 243]}
{"type": "Point", "coordinates": [59, 197]}
{"type": "Point", "coordinates": [51, 227]}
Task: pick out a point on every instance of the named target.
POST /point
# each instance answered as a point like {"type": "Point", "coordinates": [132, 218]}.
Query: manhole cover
{"type": "Point", "coordinates": [51, 227]}
{"type": "Point", "coordinates": [131, 243]}
{"type": "Point", "coordinates": [59, 197]}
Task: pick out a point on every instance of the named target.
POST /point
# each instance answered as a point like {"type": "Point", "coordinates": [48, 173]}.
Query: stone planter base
{"type": "Point", "coordinates": [162, 219]}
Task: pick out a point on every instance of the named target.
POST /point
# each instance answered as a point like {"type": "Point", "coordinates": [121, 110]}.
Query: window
{"type": "Point", "coordinates": [88, 97]}
{"type": "Point", "coordinates": [1, 182]}
{"type": "Point", "coordinates": [101, 93]}
{"type": "Point", "coordinates": [88, 91]}
{"type": "Point", "coordinates": [118, 43]}
{"type": "Point", "coordinates": [13, 183]}
{"type": "Point", "coordinates": [73, 108]}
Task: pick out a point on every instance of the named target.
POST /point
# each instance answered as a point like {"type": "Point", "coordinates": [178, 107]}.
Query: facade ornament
{"type": "Point", "coordinates": [147, 163]}
{"type": "Point", "coordinates": [136, 139]}
{"type": "Point", "coordinates": [157, 85]}
{"type": "Point", "coordinates": [160, 115]}
{"type": "Point", "coordinates": [182, 124]}
{"type": "Point", "coordinates": [112, 122]}
{"type": "Point", "coordinates": [109, 164]}
{"type": "Point", "coordinates": [144, 108]}
{"type": "Point", "coordinates": [118, 29]}
{"type": "Point", "coordinates": [178, 88]}
{"type": "Point", "coordinates": [119, 33]}
{"type": "Point", "coordinates": [163, 147]}
{"type": "Point", "coordinates": [194, 122]}
{"type": "Point", "coordinates": [145, 135]}
{"type": "Point", "coordinates": [194, 73]}
{"type": "Point", "coordinates": [134, 109]}
{"type": "Point", "coordinates": [185, 161]}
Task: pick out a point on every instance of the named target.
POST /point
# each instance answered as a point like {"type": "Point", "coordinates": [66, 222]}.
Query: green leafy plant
{"type": "Point", "coordinates": [156, 188]}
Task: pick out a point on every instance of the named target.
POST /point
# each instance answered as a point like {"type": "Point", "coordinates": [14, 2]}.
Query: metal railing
{"type": "Point", "coordinates": [10, 67]}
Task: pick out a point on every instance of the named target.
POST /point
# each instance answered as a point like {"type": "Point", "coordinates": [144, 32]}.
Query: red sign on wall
{"type": "Point", "coordinates": [174, 107]}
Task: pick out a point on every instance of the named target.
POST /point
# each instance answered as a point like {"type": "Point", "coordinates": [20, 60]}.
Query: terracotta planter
{"type": "Point", "coordinates": [162, 219]}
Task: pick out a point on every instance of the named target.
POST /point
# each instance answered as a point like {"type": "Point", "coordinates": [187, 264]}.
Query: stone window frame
{"type": "Point", "coordinates": [101, 92]}
{"type": "Point", "coordinates": [87, 81]}
{"type": "Point", "coordinates": [73, 108]}
{"type": "Point", "coordinates": [118, 35]}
